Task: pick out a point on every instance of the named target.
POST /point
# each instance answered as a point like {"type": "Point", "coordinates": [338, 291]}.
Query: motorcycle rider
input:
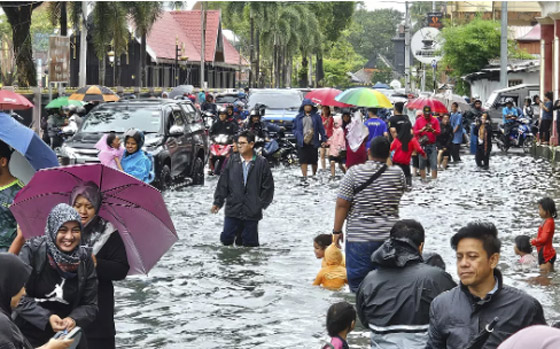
{"type": "Point", "coordinates": [209, 105]}
{"type": "Point", "coordinates": [509, 116]}
{"type": "Point", "coordinates": [224, 124]}
{"type": "Point", "coordinates": [259, 128]}
{"type": "Point", "coordinates": [55, 123]}
{"type": "Point", "coordinates": [229, 111]}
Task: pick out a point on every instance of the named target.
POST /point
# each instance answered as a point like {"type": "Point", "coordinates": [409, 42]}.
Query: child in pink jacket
{"type": "Point", "coordinates": [111, 151]}
{"type": "Point", "coordinates": [337, 148]}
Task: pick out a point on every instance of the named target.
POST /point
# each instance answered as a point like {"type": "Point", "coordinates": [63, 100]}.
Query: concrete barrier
{"type": "Point", "coordinates": [547, 152]}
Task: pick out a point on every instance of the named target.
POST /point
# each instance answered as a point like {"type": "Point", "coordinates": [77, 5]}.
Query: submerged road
{"type": "Point", "coordinates": [204, 295]}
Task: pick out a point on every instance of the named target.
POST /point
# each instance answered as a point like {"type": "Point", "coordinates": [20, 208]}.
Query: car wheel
{"type": "Point", "coordinates": [165, 180]}
{"type": "Point", "coordinates": [198, 172]}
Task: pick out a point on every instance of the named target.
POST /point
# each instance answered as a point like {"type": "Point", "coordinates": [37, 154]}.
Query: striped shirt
{"type": "Point", "coordinates": [375, 209]}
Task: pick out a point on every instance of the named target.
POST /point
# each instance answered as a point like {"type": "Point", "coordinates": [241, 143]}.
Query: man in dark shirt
{"type": "Point", "coordinates": [209, 105]}
{"type": "Point", "coordinates": [396, 121]}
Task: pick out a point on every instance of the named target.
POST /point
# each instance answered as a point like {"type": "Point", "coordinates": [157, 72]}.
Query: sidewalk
{"type": "Point", "coordinates": [548, 152]}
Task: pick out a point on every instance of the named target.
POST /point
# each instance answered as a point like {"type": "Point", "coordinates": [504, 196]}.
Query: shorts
{"type": "Point", "coordinates": [415, 161]}
{"type": "Point", "coordinates": [445, 152]}
{"type": "Point", "coordinates": [308, 154]}
{"type": "Point", "coordinates": [541, 258]}
{"type": "Point", "coordinates": [431, 155]}
{"type": "Point", "coordinates": [337, 159]}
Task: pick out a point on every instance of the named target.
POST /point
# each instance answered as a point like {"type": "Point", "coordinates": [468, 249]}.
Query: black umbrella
{"type": "Point", "coordinates": [481, 338]}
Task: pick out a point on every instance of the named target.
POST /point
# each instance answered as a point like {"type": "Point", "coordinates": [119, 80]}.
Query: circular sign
{"type": "Point", "coordinates": [427, 45]}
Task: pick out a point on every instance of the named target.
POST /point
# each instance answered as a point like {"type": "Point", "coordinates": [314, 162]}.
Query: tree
{"type": "Point", "coordinates": [144, 15]}
{"type": "Point", "coordinates": [19, 17]}
{"type": "Point", "coordinates": [383, 75]}
{"type": "Point", "coordinates": [371, 32]}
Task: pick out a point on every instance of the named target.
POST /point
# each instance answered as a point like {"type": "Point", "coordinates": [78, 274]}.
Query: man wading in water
{"type": "Point", "coordinates": [247, 187]}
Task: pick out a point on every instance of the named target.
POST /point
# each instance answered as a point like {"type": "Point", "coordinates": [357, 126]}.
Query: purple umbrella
{"type": "Point", "coordinates": [135, 208]}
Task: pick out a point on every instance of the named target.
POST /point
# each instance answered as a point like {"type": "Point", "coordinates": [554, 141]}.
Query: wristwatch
{"type": "Point", "coordinates": [336, 232]}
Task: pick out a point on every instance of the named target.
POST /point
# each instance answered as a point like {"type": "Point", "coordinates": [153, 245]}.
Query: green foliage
{"type": "Point", "coordinates": [384, 75]}
{"type": "Point", "coordinates": [371, 32]}
{"type": "Point", "coordinates": [339, 60]}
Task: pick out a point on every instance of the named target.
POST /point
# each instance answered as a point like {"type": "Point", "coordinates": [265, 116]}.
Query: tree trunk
{"type": "Point", "coordinates": [142, 81]}
{"type": "Point", "coordinates": [320, 74]}
{"type": "Point", "coordinates": [63, 19]}
{"type": "Point", "coordinates": [258, 63]}
{"type": "Point", "coordinates": [102, 71]}
{"type": "Point", "coordinates": [251, 48]}
{"type": "Point", "coordinates": [274, 66]}
{"type": "Point", "coordinates": [303, 79]}
{"type": "Point", "coordinates": [310, 73]}
{"type": "Point", "coordinates": [289, 72]}
{"type": "Point", "coordinates": [20, 21]}
{"type": "Point", "coordinates": [284, 67]}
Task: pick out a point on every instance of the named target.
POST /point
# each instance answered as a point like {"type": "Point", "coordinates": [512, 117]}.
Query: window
{"type": "Point", "coordinates": [514, 82]}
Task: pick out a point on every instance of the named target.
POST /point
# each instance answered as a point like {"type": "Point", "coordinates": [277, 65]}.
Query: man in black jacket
{"type": "Point", "coordinates": [247, 187]}
{"type": "Point", "coordinates": [400, 320]}
{"type": "Point", "coordinates": [458, 316]}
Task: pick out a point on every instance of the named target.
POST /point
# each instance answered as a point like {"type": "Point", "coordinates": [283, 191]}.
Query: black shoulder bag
{"type": "Point", "coordinates": [371, 179]}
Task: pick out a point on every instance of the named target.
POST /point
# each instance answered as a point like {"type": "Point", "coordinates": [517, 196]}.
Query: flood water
{"type": "Point", "coordinates": [204, 295]}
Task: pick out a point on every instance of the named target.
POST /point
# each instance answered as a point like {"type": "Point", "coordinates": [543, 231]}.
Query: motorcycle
{"type": "Point", "coordinates": [276, 150]}
{"type": "Point", "coordinates": [520, 136]}
{"type": "Point", "coordinates": [220, 151]}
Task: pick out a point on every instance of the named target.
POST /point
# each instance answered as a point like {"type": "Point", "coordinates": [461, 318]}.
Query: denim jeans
{"type": "Point", "coordinates": [358, 261]}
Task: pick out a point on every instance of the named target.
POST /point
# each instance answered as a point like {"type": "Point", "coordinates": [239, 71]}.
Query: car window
{"type": "Point", "coordinates": [502, 100]}
{"type": "Point", "coordinates": [280, 100]}
{"type": "Point", "coordinates": [190, 112]}
{"type": "Point", "coordinates": [178, 118]}
{"type": "Point", "coordinates": [122, 118]}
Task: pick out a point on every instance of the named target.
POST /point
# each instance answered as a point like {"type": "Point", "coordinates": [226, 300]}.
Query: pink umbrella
{"type": "Point", "coordinates": [135, 208]}
{"type": "Point", "coordinates": [325, 96]}
{"type": "Point", "coordinates": [12, 101]}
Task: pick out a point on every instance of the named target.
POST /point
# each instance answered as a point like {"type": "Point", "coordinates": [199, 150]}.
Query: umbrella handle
{"type": "Point", "coordinates": [490, 326]}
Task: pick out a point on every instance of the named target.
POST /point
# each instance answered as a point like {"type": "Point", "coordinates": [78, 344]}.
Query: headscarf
{"type": "Point", "coordinates": [97, 231]}
{"type": "Point", "coordinates": [138, 137]}
{"type": "Point", "coordinates": [65, 262]}
{"type": "Point", "coordinates": [405, 136]}
{"type": "Point", "coordinates": [13, 276]}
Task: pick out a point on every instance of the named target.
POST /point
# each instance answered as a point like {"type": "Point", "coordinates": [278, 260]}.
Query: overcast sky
{"type": "Point", "coordinates": [379, 4]}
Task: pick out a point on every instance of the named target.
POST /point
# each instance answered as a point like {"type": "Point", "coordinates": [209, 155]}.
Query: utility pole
{"type": "Point", "coordinates": [503, 46]}
{"type": "Point", "coordinates": [83, 46]}
{"type": "Point", "coordinates": [407, 49]}
{"type": "Point", "coordinates": [202, 44]}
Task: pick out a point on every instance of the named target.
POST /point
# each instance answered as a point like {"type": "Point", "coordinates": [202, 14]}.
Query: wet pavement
{"type": "Point", "coordinates": [204, 295]}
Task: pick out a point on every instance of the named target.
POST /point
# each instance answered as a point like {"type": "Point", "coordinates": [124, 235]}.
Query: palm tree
{"type": "Point", "coordinates": [109, 20]}
{"type": "Point", "coordinates": [144, 15]}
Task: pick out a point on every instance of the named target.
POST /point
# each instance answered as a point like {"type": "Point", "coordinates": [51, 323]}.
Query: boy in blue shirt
{"type": "Point", "coordinates": [509, 115]}
{"type": "Point", "coordinates": [375, 125]}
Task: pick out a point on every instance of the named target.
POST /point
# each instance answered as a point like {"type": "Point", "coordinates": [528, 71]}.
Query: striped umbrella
{"type": "Point", "coordinates": [92, 93]}
{"type": "Point", "coordinates": [364, 97]}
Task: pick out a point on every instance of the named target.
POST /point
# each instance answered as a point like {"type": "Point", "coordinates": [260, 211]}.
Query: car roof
{"type": "Point", "coordinates": [144, 101]}
{"type": "Point", "coordinates": [518, 87]}
{"type": "Point", "coordinates": [274, 90]}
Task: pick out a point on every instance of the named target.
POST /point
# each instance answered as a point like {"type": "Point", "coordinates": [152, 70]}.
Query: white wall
{"type": "Point", "coordinates": [485, 87]}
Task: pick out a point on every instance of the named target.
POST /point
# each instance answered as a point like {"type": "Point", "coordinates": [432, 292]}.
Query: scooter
{"type": "Point", "coordinates": [521, 136]}
{"type": "Point", "coordinates": [276, 150]}
{"type": "Point", "coordinates": [220, 151]}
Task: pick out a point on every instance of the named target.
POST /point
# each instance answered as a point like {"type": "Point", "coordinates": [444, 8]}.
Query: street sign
{"type": "Point", "coordinates": [59, 59]}
{"type": "Point", "coordinates": [434, 64]}
{"type": "Point", "coordinates": [434, 20]}
{"type": "Point", "coordinates": [426, 45]}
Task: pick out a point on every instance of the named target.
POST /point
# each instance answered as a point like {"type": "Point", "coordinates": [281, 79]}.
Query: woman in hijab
{"type": "Point", "coordinates": [109, 255]}
{"type": "Point", "coordinates": [62, 288]}
{"type": "Point", "coordinates": [135, 161]}
{"type": "Point", "coordinates": [13, 275]}
{"type": "Point", "coordinates": [352, 157]}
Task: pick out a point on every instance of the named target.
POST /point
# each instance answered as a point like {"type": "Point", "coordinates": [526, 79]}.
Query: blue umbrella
{"type": "Point", "coordinates": [27, 143]}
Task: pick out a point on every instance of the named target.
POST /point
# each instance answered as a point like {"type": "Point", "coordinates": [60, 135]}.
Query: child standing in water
{"type": "Point", "coordinates": [341, 319]}
{"type": "Point", "coordinates": [333, 276]}
{"type": "Point", "coordinates": [524, 250]}
{"type": "Point", "coordinates": [543, 242]}
{"type": "Point", "coordinates": [111, 151]}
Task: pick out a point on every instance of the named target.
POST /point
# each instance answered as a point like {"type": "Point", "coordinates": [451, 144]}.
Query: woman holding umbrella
{"type": "Point", "coordinates": [109, 256]}
{"type": "Point", "coordinates": [62, 288]}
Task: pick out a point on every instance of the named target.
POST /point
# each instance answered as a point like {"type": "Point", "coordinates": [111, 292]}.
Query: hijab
{"type": "Point", "coordinates": [405, 136]}
{"type": "Point", "coordinates": [335, 260]}
{"type": "Point", "coordinates": [13, 276]}
{"type": "Point", "coordinates": [138, 137]}
{"type": "Point", "coordinates": [65, 262]}
{"type": "Point", "coordinates": [97, 231]}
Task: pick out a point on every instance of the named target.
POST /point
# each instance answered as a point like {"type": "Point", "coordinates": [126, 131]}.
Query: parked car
{"type": "Point", "coordinates": [223, 99]}
{"type": "Point", "coordinates": [174, 132]}
{"type": "Point", "coordinates": [282, 106]}
{"type": "Point", "coordinates": [497, 100]}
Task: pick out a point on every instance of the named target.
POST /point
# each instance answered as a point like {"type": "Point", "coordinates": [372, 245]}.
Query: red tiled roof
{"type": "Point", "coordinates": [186, 25]}
{"type": "Point", "coordinates": [533, 35]}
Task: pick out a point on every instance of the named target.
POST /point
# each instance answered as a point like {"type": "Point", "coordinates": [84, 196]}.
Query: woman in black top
{"type": "Point", "coordinates": [443, 142]}
{"type": "Point", "coordinates": [62, 288]}
{"type": "Point", "coordinates": [110, 258]}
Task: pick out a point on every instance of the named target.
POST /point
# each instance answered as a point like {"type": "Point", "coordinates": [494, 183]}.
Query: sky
{"type": "Point", "coordinates": [379, 4]}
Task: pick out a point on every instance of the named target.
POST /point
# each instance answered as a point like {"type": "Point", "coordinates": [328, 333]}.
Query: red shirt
{"type": "Point", "coordinates": [544, 239]}
{"type": "Point", "coordinates": [421, 122]}
{"type": "Point", "coordinates": [328, 124]}
{"type": "Point", "coordinates": [403, 157]}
